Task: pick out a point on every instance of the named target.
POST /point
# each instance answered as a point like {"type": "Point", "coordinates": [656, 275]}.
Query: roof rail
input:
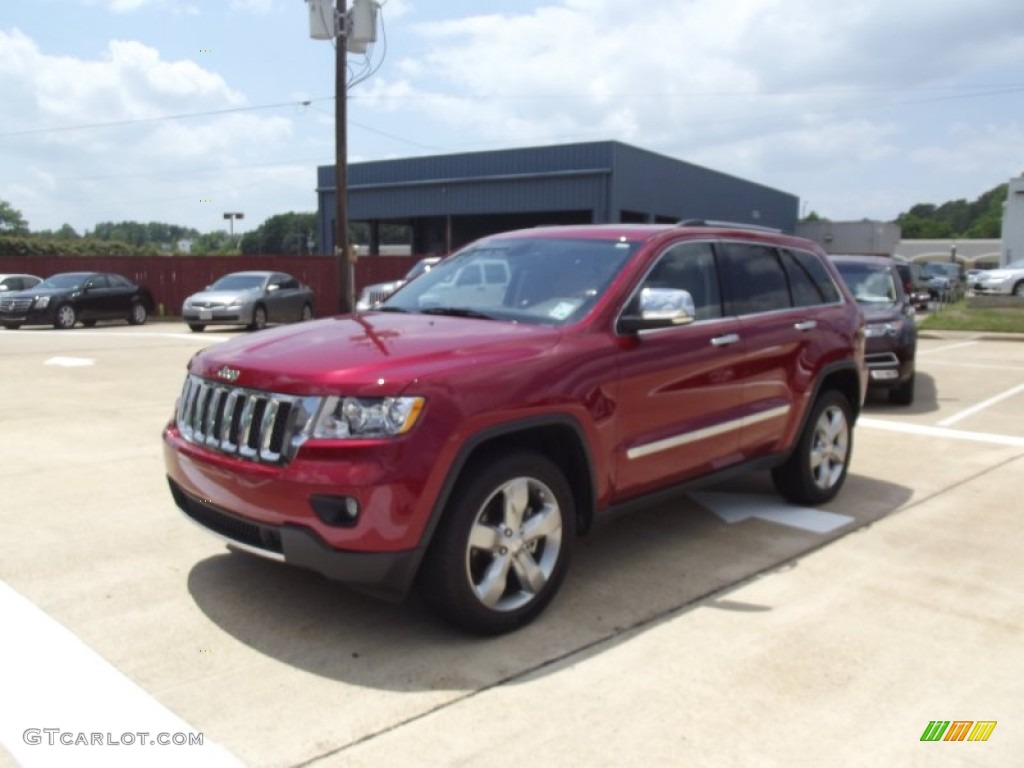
{"type": "Point", "coordinates": [725, 224]}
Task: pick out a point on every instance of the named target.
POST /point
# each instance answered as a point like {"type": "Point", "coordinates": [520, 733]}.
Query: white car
{"type": "Point", "coordinates": [18, 282]}
{"type": "Point", "coordinates": [1005, 281]}
{"type": "Point", "coordinates": [374, 294]}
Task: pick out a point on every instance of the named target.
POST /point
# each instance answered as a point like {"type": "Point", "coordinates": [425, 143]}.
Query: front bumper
{"type": "Point", "coordinates": [29, 317]}
{"type": "Point", "coordinates": [217, 316]}
{"type": "Point", "coordinates": [388, 575]}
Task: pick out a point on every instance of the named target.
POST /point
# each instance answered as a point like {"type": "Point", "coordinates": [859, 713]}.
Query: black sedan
{"type": "Point", "coordinates": [72, 297]}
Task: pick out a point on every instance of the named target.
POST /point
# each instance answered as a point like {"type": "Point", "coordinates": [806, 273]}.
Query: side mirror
{"type": "Point", "coordinates": [273, 287]}
{"type": "Point", "coordinates": [660, 308]}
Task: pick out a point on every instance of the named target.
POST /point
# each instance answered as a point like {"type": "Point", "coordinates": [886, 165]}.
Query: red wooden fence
{"type": "Point", "coordinates": [172, 278]}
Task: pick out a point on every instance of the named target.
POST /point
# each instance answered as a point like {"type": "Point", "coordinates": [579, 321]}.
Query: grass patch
{"type": "Point", "coordinates": [960, 317]}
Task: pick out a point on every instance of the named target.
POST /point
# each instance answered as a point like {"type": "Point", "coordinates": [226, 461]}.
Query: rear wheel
{"type": "Point", "coordinates": [65, 317]}
{"type": "Point", "coordinates": [196, 327]}
{"type": "Point", "coordinates": [503, 547]}
{"type": "Point", "coordinates": [12, 326]}
{"type": "Point", "coordinates": [89, 323]}
{"type": "Point", "coordinates": [307, 313]}
{"type": "Point", "coordinates": [816, 470]}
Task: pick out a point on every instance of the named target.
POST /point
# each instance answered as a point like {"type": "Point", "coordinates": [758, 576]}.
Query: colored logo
{"type": "Point", "coordinates": [958, 730]}
{"type": "Point", "coordinates": [228, 374]}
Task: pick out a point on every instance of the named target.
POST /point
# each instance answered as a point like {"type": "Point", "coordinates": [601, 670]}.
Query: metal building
{"type": "Point", "coordinates": [450, 200]}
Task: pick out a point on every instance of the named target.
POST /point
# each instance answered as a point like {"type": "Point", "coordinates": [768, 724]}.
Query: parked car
{"type": "Point", "coordinates": [891, 331]}
{"type": "Point", "coordinates": [65, 299]}
{"type": "Point", "coordinates": [947, 280]}
{"type": "Point", "coordinates": [252, 299]}
{"type": "Point", "coordinates": [375, 293]}
{"type": "Point", "coordinates": [463, 440]}
{"type": "Point", "coordinates": [18, 282]}
{"type": "Point", "coordinates": [915, 284]}
{"type": "Point", "coordinates": [1006, 281]}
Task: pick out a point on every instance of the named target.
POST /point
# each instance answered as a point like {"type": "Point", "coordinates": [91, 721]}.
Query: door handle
{"type": "Point", "coordinates": [725, 341]}
{"type": "Point", "coordinates": [806, 325]}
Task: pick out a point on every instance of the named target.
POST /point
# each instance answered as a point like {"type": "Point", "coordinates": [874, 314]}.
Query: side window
{"type": "Point", "coordinates": [100, 281]}
{"type": "Point", "coordinates": [470, 275]}
{"type": "Point", "coordinates": [757, 281]}
{"type": "Point", "coordinates": [816, 271]}
{"type": "Point", "coordinates": [690, 266]}
{"type": "Point", "coordinates": [289, 283]}
{"type": "Point", "coordinates": [495, 274]}
{"type": "Point", "coordinates": [806, 292]}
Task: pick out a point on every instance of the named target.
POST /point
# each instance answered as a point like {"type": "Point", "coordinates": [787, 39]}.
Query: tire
{"type": "Point", "coordinates": [1018, 289]}
{"type": "Point", "coordinates": [12, 326]}
{"type": "Point", "coordinates": [503, 545]}
{"type": "Point", "coordinates": [196, 327]}
{"type": "Point", "coordinates": [259, 318]}
{"type": "Point", "coordinates": [307, 313]}
{"type": "Point", "coordinates": [65, 318]}
{"type": "Point", "coordinates": [816, 470]}
{"type": "Point", "coordinates": [89, 323]}
{"type": "Point", "coordinates": [904, 393]}
{"type": "Point", "coordinates": [138, 314]}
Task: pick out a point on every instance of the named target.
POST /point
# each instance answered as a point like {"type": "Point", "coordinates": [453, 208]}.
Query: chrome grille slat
{"type": "Point", "coordinates": [267, 427]}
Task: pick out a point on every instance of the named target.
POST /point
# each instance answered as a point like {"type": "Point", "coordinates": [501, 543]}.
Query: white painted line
{"type": "Point", "coordinates": [70, 362]}
{"type": "Point", "coordinates": [76, 333]}
{"type": "Point", "coordinates": [941, 432]}
{"type": "Point", "coordinates": [737, 507]}
{"type": "Point", "coordinates": [981, 406]}
{"type": "Point", "coordinates": [947, 348]}
{"type": "Point", "coordinates": [52, 680]}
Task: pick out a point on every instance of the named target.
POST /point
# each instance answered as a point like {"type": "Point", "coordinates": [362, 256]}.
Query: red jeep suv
{"type": "Point", "coordinates": [464, 432]}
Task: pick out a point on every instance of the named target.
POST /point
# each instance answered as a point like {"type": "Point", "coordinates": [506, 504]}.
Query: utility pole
{"type": "Point", "coordinates": [345, 268]}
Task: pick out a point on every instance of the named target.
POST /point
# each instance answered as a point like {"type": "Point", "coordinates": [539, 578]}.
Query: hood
{"type": "Point", "coordinates": [222, 297]}
{"type": "Point", "coordinates": [376, 352]}
{"type": "Point", "coordinates": [36, 292]}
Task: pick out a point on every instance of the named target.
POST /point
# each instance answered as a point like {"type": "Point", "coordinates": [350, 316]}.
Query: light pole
{"type": "Point", "coordinates": [231, 221]}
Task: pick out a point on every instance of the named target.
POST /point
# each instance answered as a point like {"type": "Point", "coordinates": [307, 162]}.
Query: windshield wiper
{"type": "Point", "coordinates": [389, 309]}
{"type": "Point", "coordinates": [457, 312]}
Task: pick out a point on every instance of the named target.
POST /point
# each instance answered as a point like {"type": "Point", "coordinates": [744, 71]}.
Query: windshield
{"type": "Point", "coordinates": [238, 283]}
{"type": "Point", "coordinates": [534, 280]}
{"type": "Point", "coordinates": [869, 283]}
{"type": "Point", "coordinates": [65, 280]}
{"type": "Point", "coordinates": [421, 266]}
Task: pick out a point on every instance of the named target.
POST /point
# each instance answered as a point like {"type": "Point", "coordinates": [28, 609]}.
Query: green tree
{"type": "Point", "coordinates": [11, 220]}
{"type": "Point", "coordinates": [283, 233]}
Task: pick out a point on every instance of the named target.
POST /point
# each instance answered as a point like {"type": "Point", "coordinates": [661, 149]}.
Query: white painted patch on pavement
{"type": "Point", "coordinates": [49, 679]}
{"type": "Point", "coordinates": [941, 432]}
{"type": "Point", "coordinates": [70, 362]}
{"type": "Point", "coordinates": [967, 412]}
{"type": "Point", "coordinates": [737, 507]}
{"type": "Point", "coordinates": [947, 348]}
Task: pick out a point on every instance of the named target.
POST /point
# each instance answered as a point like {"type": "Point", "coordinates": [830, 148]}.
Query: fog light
{"type": "Point", "coordinates": [336, 511]}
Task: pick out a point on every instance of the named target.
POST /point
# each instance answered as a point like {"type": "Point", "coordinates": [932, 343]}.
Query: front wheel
{"type": "Point", "coordinates": [196, 327]}
{"type": "Point", "coordinates": [12, 326]}
{"type": "Point", "coordinates": [503, 547]}
{"type": "Point", "coordinates": [259, 319]}
{"type": "Point", "coordinates": [65, 318]}
{"type": "Point", "coordinates": [816, 470]}
{"type": "Point", "coordinates": [138, 314]}
{"type": "Point", "coordinates": [1018, 289]}
{"type": "Point", "coordinates": [904, 393]}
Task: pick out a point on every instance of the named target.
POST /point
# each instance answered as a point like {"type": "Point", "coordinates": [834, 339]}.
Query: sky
{"type": "Point", "coordinates": [181, 110]}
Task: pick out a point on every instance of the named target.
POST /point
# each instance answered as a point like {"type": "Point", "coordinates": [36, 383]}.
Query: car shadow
{"type": "Point", "coordinates": [926, 399]}
{"type": "Point", "coordinates": [626, 575]}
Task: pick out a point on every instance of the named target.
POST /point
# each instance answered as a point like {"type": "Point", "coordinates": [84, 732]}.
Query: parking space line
{"type": "Point", "coordinates": [52, 680]}
{"type": "Point", "coordinates": [942, 432]}
{"type": "Point", "coordinates": [958, 345]}
{"type": "Point", "coordinates": [981, 406]}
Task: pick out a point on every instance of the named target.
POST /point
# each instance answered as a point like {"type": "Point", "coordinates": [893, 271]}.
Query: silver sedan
{"type": "Point", "coordinates": [252, 299]}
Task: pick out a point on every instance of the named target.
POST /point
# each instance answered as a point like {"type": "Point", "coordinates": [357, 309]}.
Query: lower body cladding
{"type": "Point", "coordinates": [354, 535]}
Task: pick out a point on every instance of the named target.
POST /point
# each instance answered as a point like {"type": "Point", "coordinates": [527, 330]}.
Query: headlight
{"type": "Point", "coordinates": [42, 302]}
{"type": "Point", "coordinates": [355, 417]}
{"type": "Point", "coordinates": [875, 330]}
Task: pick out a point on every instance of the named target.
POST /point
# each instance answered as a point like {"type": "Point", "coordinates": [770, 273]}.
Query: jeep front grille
{"type": "Point", "coordinates": [258, 426]}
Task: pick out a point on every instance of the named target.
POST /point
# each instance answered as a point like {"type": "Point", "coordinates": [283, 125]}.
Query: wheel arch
{"type": "Point", "coordinates": [558, 437]}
